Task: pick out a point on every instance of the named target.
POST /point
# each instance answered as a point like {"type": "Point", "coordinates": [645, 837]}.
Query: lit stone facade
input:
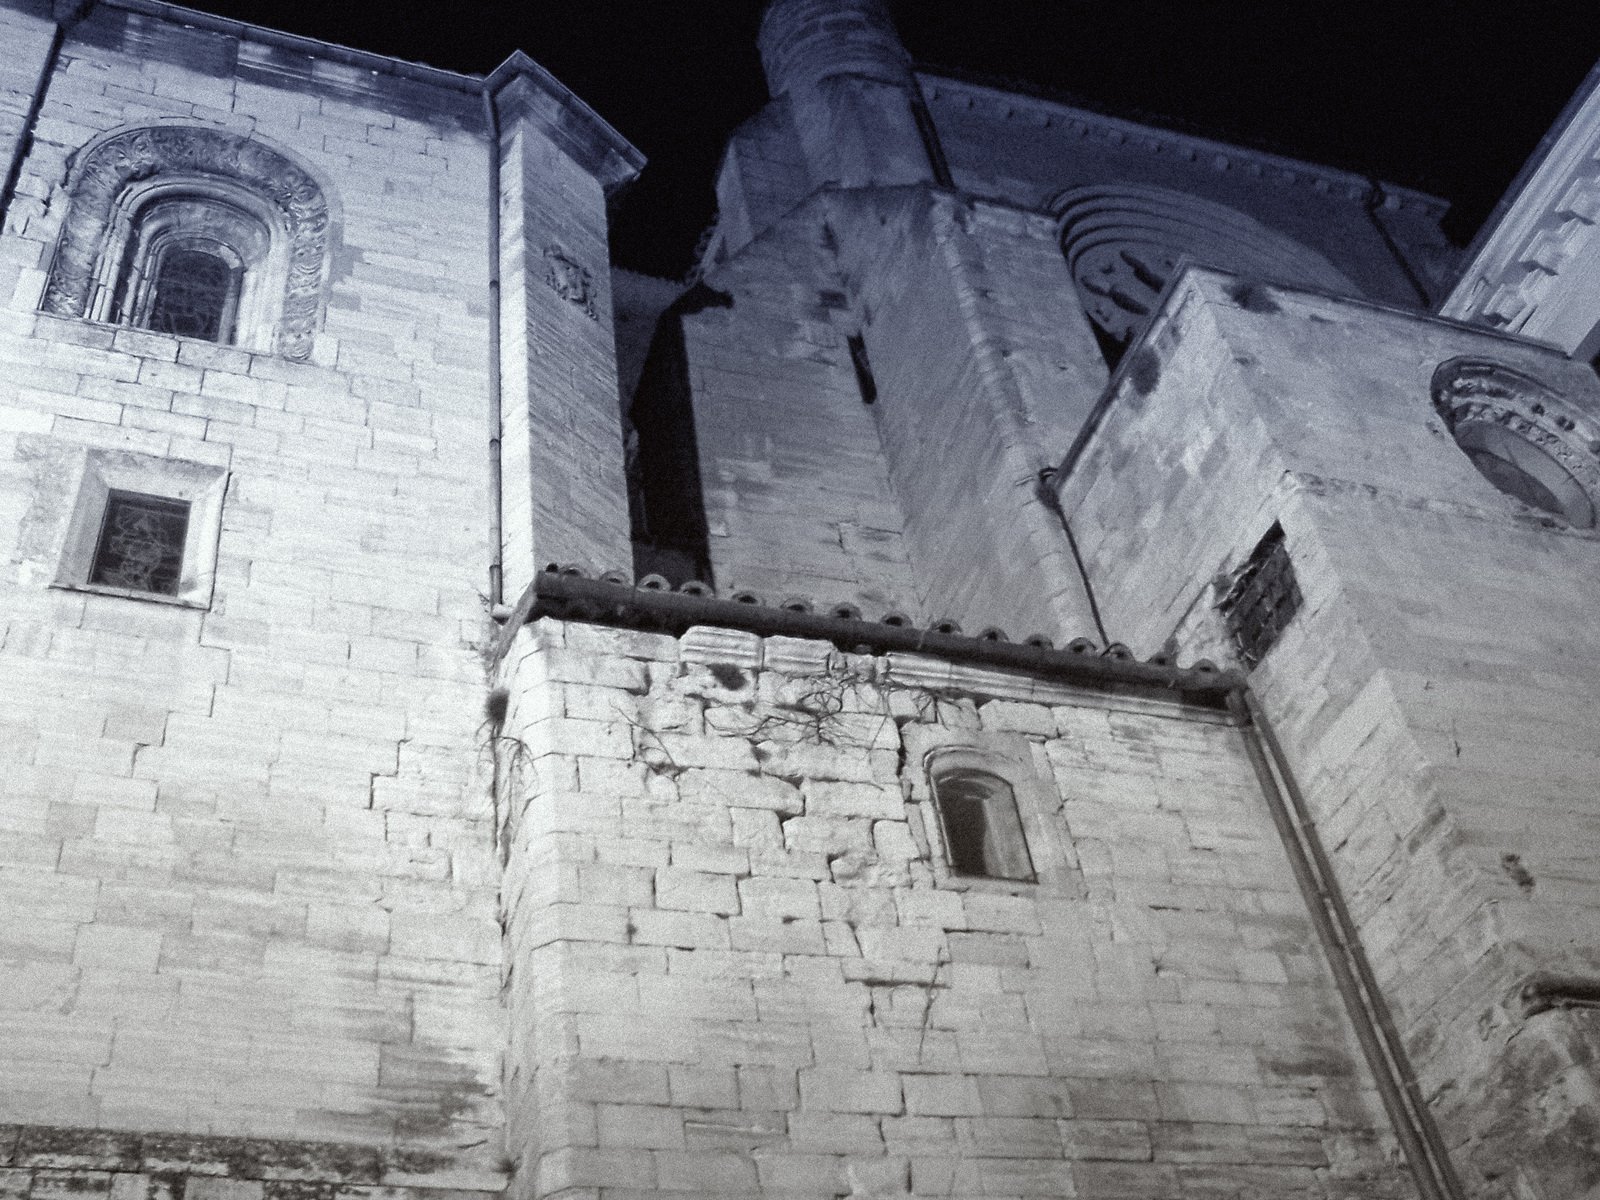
{"type": "Point", "coordinates": [367, 834]}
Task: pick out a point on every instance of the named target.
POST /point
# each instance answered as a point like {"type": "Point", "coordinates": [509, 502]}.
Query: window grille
{"type": "Point", "coordinates": [141, 543]}
{"type": "Point", "coordinates": [1263, 599]}
{"type": "Point", "coordinates": [195, 290]}
{"type": "Point", "coordinates": [982, 827]}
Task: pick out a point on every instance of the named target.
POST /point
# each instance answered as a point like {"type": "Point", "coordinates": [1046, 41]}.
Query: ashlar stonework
{"type": "Point", "coordinates": [550, 764]}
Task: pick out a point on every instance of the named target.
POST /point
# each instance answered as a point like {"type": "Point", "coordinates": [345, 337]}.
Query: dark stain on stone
{"type": "Point", "coordinates": [731, 678]}
{"type": "Point", "coordinates": [1144, 372]}
{"type": "Point", "coordinates": [1431, 820]}
{"type": "Point", "coordinates": [58, 1185]}
{"type": "Point", "coordinates": [1252, 296]}
{"type": "Point", "coordinates": [495, 706]}
{"type": "Point", "coordinates": [1511, 864]}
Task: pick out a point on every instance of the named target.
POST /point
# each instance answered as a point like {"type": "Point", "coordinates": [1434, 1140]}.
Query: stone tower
{"type": "Point", "coordinates": [1045, 670]}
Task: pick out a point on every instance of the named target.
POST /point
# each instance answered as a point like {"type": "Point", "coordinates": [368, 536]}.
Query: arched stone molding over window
{"type": "Point", "coordinates": [141, 196]}
{"type": "Point", "coordinates": [1124, 243]}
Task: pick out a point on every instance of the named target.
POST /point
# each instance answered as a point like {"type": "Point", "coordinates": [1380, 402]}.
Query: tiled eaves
{"type": "Point", "coordinates": [1221, 156]}
{"type": "Point", "coordinates": [566, 593]}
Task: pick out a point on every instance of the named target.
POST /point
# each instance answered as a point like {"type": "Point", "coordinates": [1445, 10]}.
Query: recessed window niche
{"type": "Point", "coordinates": [193, 232]}
{"type": "Point", "coordinates": [144, 528]}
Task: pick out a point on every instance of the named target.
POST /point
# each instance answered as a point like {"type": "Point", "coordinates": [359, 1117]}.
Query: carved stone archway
{"type": "Point", "coordinates": [108, 169]}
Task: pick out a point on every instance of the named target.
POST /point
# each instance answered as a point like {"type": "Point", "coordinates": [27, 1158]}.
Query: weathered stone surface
{"type": "Point", "coordinates": [1038, 1027]}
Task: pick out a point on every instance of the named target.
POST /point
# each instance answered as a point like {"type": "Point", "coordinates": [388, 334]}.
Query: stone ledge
{"type": "Point", "coordinates": [100, 1162]}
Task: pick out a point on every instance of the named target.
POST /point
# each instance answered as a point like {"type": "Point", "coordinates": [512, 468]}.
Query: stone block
{"type": "Point", "coordinates": [942, 1096]}
{"type": "Point", "coordinates": [695, 891]}
{"type": "Point", "coordinates": [648, 1127]}
{"type": "Point", "coordinates": [831, 1089]}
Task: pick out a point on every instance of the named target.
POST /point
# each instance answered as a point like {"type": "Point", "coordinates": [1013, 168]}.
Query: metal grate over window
{"type": "Point", "coordinates": [141, 543]}
{"type": "Point", "coordinates": [193, 294]}
{"type": "Point", "coordinates": [1263, 599]}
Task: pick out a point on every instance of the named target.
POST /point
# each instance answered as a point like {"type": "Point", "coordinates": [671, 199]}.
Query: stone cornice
{"type": "Point", "coordinates": [521, 89]}
{"type": "Point", "coordinates": [517, 82]}
{"type": "Point", "coordinates": [1153, 139]}
{"type": "Point", "coordinates": [1547, 216]}
{"type": "Point", "coordinates": [377, 63]}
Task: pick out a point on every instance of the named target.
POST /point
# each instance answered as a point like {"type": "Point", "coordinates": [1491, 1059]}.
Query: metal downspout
{"type": "Point", "coordinates": [496, 510]}
{"type": "Point", "coordinates": [30, 121]}
{"type": "Point", "coordinates": [1374, 202]}
{"type": "Point", "coordinates": [1380, 1041]}
{"type": "Point", "coordinates": [1381, 1045]}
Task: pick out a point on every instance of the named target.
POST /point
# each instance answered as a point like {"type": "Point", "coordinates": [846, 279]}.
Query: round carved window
{"type": "Point", "coordinates": [1523, 437]}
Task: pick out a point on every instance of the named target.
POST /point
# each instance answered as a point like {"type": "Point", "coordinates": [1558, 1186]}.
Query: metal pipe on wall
{"type": "Point", "coordinates": [496, 506]}
{"type": "Point", "coordinates": [1374, 1027]}
{"type": "Point", "coordinates": [67, 15]}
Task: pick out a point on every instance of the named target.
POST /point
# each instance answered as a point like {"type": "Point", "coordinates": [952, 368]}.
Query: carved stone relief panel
{"type": "Point", "coordinates": [570, 280]}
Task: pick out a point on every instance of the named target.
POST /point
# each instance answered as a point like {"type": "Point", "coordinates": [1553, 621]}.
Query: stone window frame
{"type": "Point", "coordinates": [181, 213]}
{"type": "Point", "coordinates": [1008, 757]}
{"type": "Point", "coordinates": [117, 185]}
{"type": "Point", "coordinates": [202, 486]}
{"type": "Point", "coordinates": [1001, 817]}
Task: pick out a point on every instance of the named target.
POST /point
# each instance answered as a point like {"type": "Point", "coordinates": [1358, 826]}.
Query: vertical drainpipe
{"type": "Point", "coordinates": [1381, 1044]}
{"type": "Point", "coordinates": [66, 16]}
{"type": "Point", "coordinates": [1364, 1003]}
{"type": "Point", "coordinates": [496, 517]}
{"type": "Point", "coordinates": [1376, 197]}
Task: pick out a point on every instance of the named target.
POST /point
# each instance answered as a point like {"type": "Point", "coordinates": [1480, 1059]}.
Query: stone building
{"type": "Point", "coordinates": [1072, 670]}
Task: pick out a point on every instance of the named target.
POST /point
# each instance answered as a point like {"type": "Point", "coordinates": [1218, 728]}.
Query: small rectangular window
{"type": "Point", "coordinates": [141, 543]}
{"type": "Point", "coordinates": [982, 828]}
{"type": "Point", "coordinates": [1263, 599]}
{"type": "Point", "coordinates": [143, 528]}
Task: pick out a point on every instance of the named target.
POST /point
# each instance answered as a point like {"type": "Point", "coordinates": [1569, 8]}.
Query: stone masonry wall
{"type": "Point", "coordinates": [797, 499]}
{"type": "Point", "coordinates": [245, 859]}
{"type": "Point", "coordinates": [739, 964]}
{"type": "Point", "coordinates": [1436, 690]}
{"type": "Point", "coordinates": [26, 31]}
{"type": "Point", "coordinates": [985, 370]}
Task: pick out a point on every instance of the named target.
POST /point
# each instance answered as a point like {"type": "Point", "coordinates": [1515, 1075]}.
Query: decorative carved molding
{"type": "Point", "coordinates": [1123, 243]}
{"type": "Point", "coordinates": [1531, 267]}
{"type": "Point", "coordinates": [108, 168]}
{"type": "Point", "coordinates": [1013, 100]}
{"type": "Point", "coordinates": [570, 280]}
{"type": "Point", "coordinates": [1515, 429]}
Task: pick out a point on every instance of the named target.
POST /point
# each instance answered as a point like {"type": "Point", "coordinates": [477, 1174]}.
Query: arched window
{"type": "Point", "coordinates": [982, 827]}
{"type": "Point", "coordinates": [193, 232]}
{"type": "Point", "coordinates": [193, 265]}
{"type": "Point", "coordinates": [194, 293]}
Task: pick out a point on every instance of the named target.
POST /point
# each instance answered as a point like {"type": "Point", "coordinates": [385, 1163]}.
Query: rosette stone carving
{"type": "Point", "coordinates": [1523, 436]}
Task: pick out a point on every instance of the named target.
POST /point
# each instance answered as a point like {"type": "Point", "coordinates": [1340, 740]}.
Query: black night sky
{"type": "Point", "coordinates": [1448, 97]}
